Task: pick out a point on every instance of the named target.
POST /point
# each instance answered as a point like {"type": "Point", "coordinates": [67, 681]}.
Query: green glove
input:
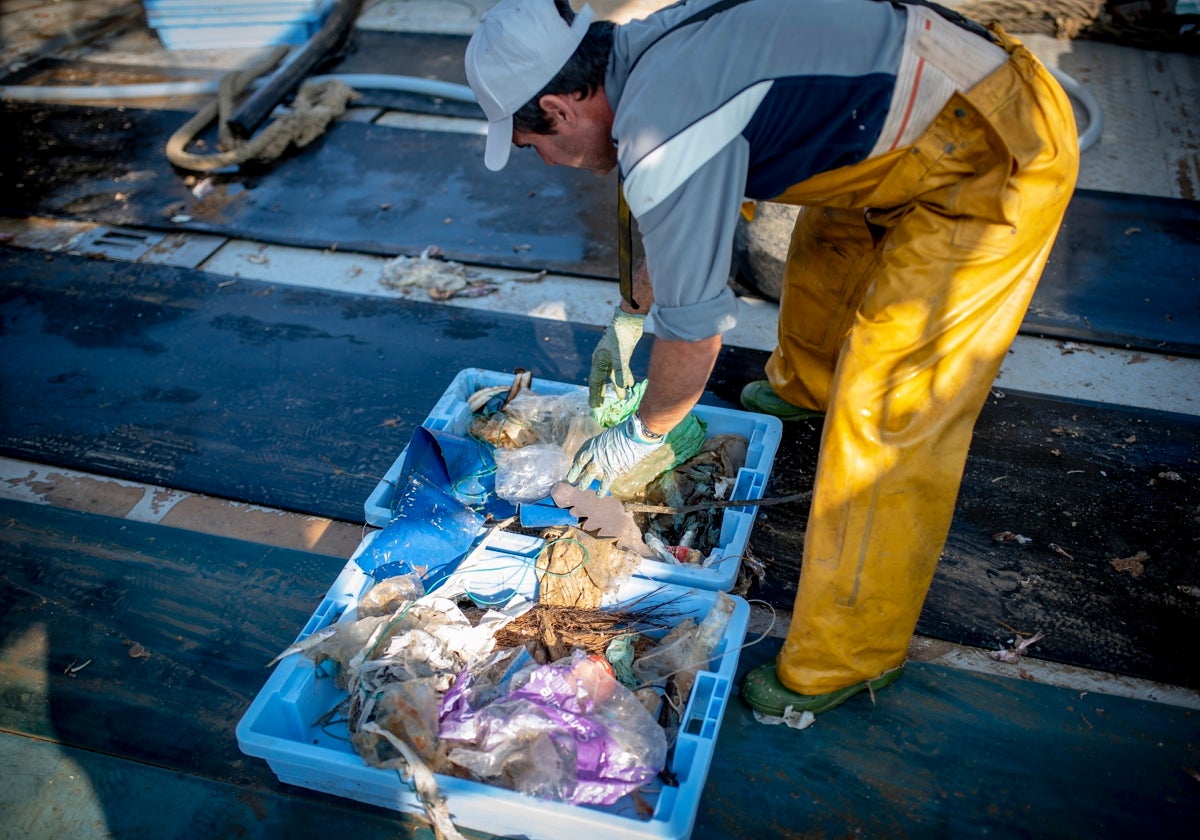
{"type": "Point", "coordinates": [610, 359]}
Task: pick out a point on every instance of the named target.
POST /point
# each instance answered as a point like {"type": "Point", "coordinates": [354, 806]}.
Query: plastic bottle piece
{"type": "Point", "coordinates": [712, 628]}
{"type": "Point", "coordinates": [655, 544]}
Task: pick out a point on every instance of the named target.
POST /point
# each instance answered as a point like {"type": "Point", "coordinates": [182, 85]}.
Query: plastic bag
{"type": "Point", "coordinates": [341, 643]}
{"type": "Point", "coordinates": [526, 475]}
{"type": "Point", "coordinates": [390, 595]}
{"type": "Point", "coordinates": [570, 732]}
{"type": "Point", "coordinates": [408, 710]}
{"type": "Point", "coordinates": [476, 688]}
{"type": "Point", "coordinates": [432, 639]}
{"type": "Point", "coordinates": [686, 649]}
{"type": "Point", "coordinates": [530, 418]}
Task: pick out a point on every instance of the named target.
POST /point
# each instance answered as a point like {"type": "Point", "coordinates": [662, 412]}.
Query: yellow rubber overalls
{"type": "Point", "coordinates": [907, 277]}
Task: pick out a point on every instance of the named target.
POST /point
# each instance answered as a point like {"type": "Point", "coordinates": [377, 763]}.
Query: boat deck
{"type": "Point", "coordinates": [189, 430]}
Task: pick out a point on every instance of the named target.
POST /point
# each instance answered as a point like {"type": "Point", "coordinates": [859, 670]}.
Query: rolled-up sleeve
{"type": "Point", "coordinates": [697, 321]}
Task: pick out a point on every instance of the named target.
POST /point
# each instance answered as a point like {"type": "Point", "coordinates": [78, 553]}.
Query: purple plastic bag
{"type": "Point", "coordinates": [569, 732]}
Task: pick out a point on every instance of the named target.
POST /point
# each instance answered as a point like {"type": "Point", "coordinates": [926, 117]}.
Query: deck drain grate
{"type": "Point", "coordinates": [118, 243]}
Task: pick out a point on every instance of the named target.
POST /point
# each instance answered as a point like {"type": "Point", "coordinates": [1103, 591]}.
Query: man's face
{"type": "Point", "coordinates": [582, 142]}
{"type": "Point", "coordinates": [596, 154]}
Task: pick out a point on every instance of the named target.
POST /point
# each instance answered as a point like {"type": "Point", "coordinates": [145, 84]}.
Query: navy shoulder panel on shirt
{"type": "Point", "coordinates": [811, 124]}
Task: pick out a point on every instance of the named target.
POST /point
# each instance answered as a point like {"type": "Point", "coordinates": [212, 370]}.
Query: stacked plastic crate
{"type": "Point", "coordinates": [217, 24]}
{"type": "Point", "coordinates": [282, 725]}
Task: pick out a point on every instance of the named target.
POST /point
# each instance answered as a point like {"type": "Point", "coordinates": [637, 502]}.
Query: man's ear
{"type": "Point", "coordinates": [559, 109]}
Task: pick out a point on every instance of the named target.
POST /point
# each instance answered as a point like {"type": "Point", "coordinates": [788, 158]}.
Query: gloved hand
{"type": "Point", "coordinates": [611, 454]}
{"type": "Point", "coordinates": [611, 356]}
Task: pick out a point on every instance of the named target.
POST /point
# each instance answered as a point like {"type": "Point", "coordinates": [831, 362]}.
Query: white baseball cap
{"type": "Point", "coordinates": [519, 47]}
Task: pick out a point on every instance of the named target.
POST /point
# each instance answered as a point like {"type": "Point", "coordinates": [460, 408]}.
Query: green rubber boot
{"type": "Point", "coordinates": [761, 397]}
{"type": "Point", "coordinates": [763, 692]}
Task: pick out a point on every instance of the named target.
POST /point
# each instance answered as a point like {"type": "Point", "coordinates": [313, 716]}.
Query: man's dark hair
{"type": "Point", "coordinates": [582, 74]}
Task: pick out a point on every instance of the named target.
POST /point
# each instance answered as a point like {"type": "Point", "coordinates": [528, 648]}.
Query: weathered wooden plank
{"type": "Point", "coordinates": [143, 641]}
{"type": "Point", "coordinates": [55, 791]}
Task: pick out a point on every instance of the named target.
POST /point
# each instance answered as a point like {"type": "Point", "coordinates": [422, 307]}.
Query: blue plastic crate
{"type": "Point", "coordinates": [279, 726]}
{"type": "Point", "coordinates": [451, 414]}
{"type": "Point", "coordinates": [196, 24]}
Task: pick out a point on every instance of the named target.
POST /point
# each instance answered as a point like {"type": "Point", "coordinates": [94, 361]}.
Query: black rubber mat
{"type": "Point", "coordinates": [1075, 520]}
{"type": "Point", "coordinates": [301, 399]}
{"type": "Point", "coordinates": [298, 399]}
{"type": "Point", "coordinates": [366, 188]}
{"type": "Point", "coordinates": [1125, 271]}
{"type": "Point", "coordinates": [1122, 273]}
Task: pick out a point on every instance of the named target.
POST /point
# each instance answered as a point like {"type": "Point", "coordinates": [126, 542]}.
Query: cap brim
{"type": "Point", "coordinates": [499, 144]}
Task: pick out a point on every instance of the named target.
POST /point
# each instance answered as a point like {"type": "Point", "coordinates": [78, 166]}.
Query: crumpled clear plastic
{"type": "Point", "coordinates": [431, 639]}
{"type": "Point", "coordinates": [407, 709]}
{"type": "Point", "coordinates": [341, 643]}
{"type": "Point", "coordinates": [566, 731]}
{"type": "Point", "coordinates": [530, 418]}
{"type": "Point", "coordinates": [390, 595]}
{"type": "Point", "coordinates": [527, 474]}
{"type": "Point", "coordinates": [685, 650]}
{"type": "Point", "coordinates": [564, 419]}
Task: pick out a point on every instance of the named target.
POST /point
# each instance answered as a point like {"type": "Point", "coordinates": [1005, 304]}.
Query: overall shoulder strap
{"type": "Point", "coordinates": [957, 18]}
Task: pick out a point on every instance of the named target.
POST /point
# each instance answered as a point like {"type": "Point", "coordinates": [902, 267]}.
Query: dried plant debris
{"type": "Point", "coordinates": [1061, 552]}
{"type": "Point", "coordinates": [75, 667]}
{"type": "Point", "coordinates": [1133, 565]}
{"type": "Point", "coordinates": [1010, 537]}
{"type": "Point", "coordinates": [551, 632]}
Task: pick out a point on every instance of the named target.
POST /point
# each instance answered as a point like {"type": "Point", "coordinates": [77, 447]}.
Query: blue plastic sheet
{"type": "Point", "coordinates": [442, 497]}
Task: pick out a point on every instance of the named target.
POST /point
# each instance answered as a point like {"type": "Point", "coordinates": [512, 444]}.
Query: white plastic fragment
{"type": "Point", "coordinates": [790, 718]}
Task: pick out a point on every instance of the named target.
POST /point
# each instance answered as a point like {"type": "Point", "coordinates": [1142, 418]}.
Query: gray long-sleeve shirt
{"type": "Point", "coordinates": [742, 105]}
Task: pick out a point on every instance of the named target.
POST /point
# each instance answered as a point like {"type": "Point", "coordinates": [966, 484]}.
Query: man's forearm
{"type": "Point", "coordinates": [679, 370]}
{"type": "Point", "coordinates": [643, 292]}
